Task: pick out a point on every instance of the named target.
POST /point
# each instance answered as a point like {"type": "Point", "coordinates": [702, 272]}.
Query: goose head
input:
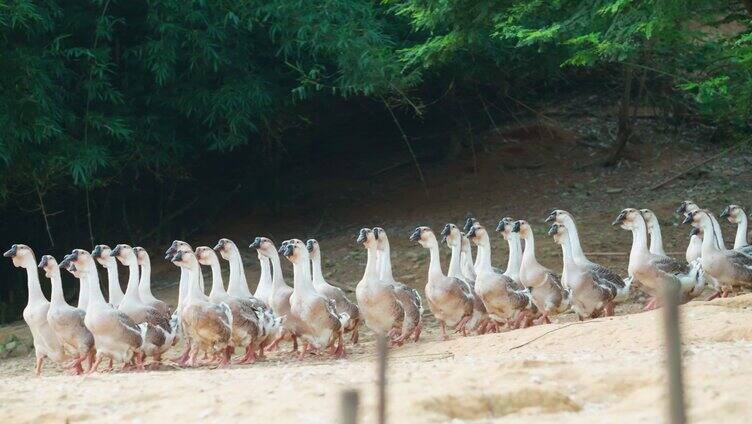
{"type": "Point", "coordinates": [477, 233]}
{"type": "Point", "coordinates": [125, 254]}
{"type": "Point", "coordinates": [505, 227]}
{"type": "Point", "coordinates": [697, 218]}
{"type": "Point", "coordinates": [295, 251]}
{"type": "Point", "coordinates": [103, 255]}
{"type": "Point", "coordinates": [686, 207]}
{"type": "Point", "coordinates": [425, 237]}
{"type": "Point", "coordinates": [48, 264]}
{"type": "Point", "coordinates": [177, 246]}
{"type": "Point", "coordinates": [628, 218]}
{"type": "Point", "coordinates": [206, 255]}
{"type": "Point", "coordinates": [367, 238]}
{"type": "Point", "coordinates": [21, 255]}
{"type": "Point", "coordinates": [79, 261]}
{"type": "Point", "coordinates": [558, 232]}
{"type": "Point", "coordinates": [522, 227]}
{"type": "Point", "coordinates": [382, 241]}
{"type": "Point", "coordinates": [451, 235]}
{"type": "Point", "coordinates": [225, 247]}
{"type": "Point", "coordinates": [264, 247]}
{"type": "Point", "coordinates": [142, 256]}
{"type": "Point", "coordinates": [558, 216]}
{"type": "Point", "coordinates": [733, 213]}
{"type": "Point", "coordinates": [469, 223]}
{"type": "Point", "coordinates": [312, 245]}
{"type": "Point", "coordinates": [650, 218]}
{"type": "Point", "coordinates": [184, 258]}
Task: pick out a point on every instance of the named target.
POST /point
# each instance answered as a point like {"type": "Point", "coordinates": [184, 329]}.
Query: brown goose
{"type": "Point", "coordinates": [341, 302]}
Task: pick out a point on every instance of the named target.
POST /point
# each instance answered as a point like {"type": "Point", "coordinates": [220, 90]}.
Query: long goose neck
{"type": "Point", "coordinates": [83, 292]}
{"type": "Point", "coordinates": [277, 278]}
{"type": "Point", "coordinates": [483, 256]}
{"type": "Point", "coordinates": [372, 261]}
{"type": "Point", "coordinates": [567, 257]}
{"type": "Point", "coordinates": [720, 244]}
{"type": "Point", "coordinates": [454, 262]}
{"type": "Point", "coordinates": [183, 287]}
{"type": "Point", "coordinates": [741, 231]}
{"type": "Point", "coordinates": [238, 285]}
{"type": "Point", "coordinates": [265, 279]}
{"type": "Point", "coordinates": [515, 256]}
{"type": "Point", "coordinates": [656, 239]}
{"type": "Point", "coordinates": [32, 282]}
{"type": "Point", "coordinates": [639, 239]}
{"type": "Point", "coordinates": [434, 266]}
{"type": "Point", "coordinates": [528, 255]}
{"type": "Point", "coordinates": [113, 283]}
{"type": "Point", "coordinates": [218, 285]}
{"type": "Point", "coordinates": [131, 291]}
{"type": "Point", "coordinates": [194, 291]}
{"type": "Point", "coordinates": [318, 275]}
{"type": "Point", "coordinates": [302, 276]}
{"type": "Point", "coordinates": [144, 285]}
{"type": "Point", "coordinates": [709, 243]}
{"type": "Point", "coordinates": [385, 263]}
{"type": "Point", "coordinates": [57, 297]}
{"type": "Point", "coordinates": [95, 292]}
{"type": "Point", "coordinates": [574, 240]}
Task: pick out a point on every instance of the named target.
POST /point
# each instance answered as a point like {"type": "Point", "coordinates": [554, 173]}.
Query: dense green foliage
{"type": "Point", "coordinates": [104, 98]}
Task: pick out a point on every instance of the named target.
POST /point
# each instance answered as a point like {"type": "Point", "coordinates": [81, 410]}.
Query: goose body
{"type": "Point", "coordinates": [67, 321]}
{"type": "Point", "coordinates": [320, 324]}
{"type": "Point", "coordinates": [449, 298]}
{"type": "Point", "coordinates": [116, 335]}
{"type": "Point", "coordinates": [337, 295]}
{"type": "Point", "coordinates": [409, 298]}
{"type": "Point", "coordinates": [655, 271]}
{"type": "Point", "coordinates": [208, 326]}
{"type": "Point", "coordinates": [547, 292]}
{"type": "Point", "coordinates": [502, 295]}
{"type": "Point", "coordinates": [46, 343]}
{"type": "Point", "coordinates": [377, 300]}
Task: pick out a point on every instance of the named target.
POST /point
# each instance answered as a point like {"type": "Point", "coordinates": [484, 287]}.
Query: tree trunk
{"type": "Point", "coordinates": [624, 125]}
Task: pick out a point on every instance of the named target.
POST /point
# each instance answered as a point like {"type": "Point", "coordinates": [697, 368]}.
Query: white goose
{"type": "Point", "coordinates": [694, 249]}
{"type": "Point", "coordinates": [102, 254]}
{"type": "Point", "coordinates": [206, 325]}
{"type": "Point", "coordinates": [116, 336]}
{"type": "Point", "coordinates": [320, 325]}
{"type": "Point", "coordinates": [449, 298]}
{"type": "Point", "coordinates": [736, 215]}
{"type": "Point", "coordinates": [67, 321]}
{"type": "Point", "coordinates": [46, 343]}
{"type": "Point", "coordinates": [549, 296]}
{"type": "Point", "coordinates": [341, 302]}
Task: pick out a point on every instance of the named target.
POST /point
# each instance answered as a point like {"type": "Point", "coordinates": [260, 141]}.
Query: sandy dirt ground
{"type": "Point", "coordinates": [606, 369]}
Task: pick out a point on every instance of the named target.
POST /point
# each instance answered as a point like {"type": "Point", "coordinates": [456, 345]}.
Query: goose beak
{"type": "Point", "coordinates": [726, 212]}
{"type": "Point", "coordinates": [415, 236]}
{"type": "Point", "coordinates": [256, 243]}
{"type": "Point", "coordinates": [361, 236]}
{"type": "Point", "coordinates": [468, 224]}
{"type": "Point", "coordinates": [66, 261]}
{"type": "Point", "coordinates": [219, 246]}
{"type": "Point", "coordinates": [309, 245]}
{"type": "Point", "coordinates": [177, 257]}
{"type": "Point", "coordinates": [376, 231]}
{"type": "Point", "coordinates": [682, 208]}
{"type": "Point", "coordinates": [688, 218]}
{"type": "Point", "coordinates": [116, 251]}
{"type": "Point", "coordinates": [499, 227]}
{"type": "Point", "coordinates": [516, 227]}
{"type": "Point", "coordinates": [43, 262]}
{"type": "Point", "coordinates": [170, 252]}
{"type": "Point", "coordinates": [445, 231]}
{"type": "Point", "coordinates": [553, 230]}
{"type": "Point", "coordinates": [471, 233]}
{"type": "Point", "coordinates": [551, 217]}
{"type": "Point", "coordinates": [11, 252]}
{"type": "Point", "coordinates": [620, 218]}
{"type": "Point", "coordinates": [97, 252]}
{"type": "Point", "coordinates": [286, 250]}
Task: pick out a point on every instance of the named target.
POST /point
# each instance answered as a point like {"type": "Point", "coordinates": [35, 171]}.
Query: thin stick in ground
{"type": "Point", "coordinates": [381, 345]}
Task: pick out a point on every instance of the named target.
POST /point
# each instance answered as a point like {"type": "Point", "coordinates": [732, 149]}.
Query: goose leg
{"type": "Point", "coordinates": [417, 331]}
{"type": "Point", "coordinates": [249, 357]}
{"type": "Point", "coordinates": [76, 365]}
{"type": "Point", "coordinates": [340, 353]}
{"type": "Point", "coordinates": [443, 331]}
{"type": "Point", "coordinates": [95, 365]}
{"type": "Point", "coordinates": [354, 335]}
{"type": "Point", "coordinates": [38, 368]}
{"type": "Point", "coordinates": [461, 326]}
{"type": "Point", "coordinates": [715, 295]}
{"type": "Point", "coordinates": [608, 310]}
{"type": "Point", "coordinates": [183, 359]}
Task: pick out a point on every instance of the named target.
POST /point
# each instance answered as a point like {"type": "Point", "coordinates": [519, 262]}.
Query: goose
{"type": "Point", "coordinates": [604, 275]}
{"type": "Point", "coordinates": [549, 296]}
{"type": "Point", "coordinates": [250, 326]}
{"type": "Point", "coordinates": [320, 326]}
{"type": "Point", "coordinates": [654, 230]}
{"type": "Point", "coordinates": [449, 298]}
{"type": "Point", "coordinates": [591, 294]}
{"type": "Point", "coordinates": [116, 335]}
{"type": "Point", "coordinates": [144, 284]}
{"type": "Point", "coordinates": [731, 268]}
{"type": "Point", "coordinates": [279, 295]}
{"type": "Point", "coordinates": [237, 285]}
{"type": "Point", "coordinates": [206, 325]}
{"type": "Point", "coordinates": [656, 271]}
{"type": "Point", "coordinates": [46, 343]}
{"type": "Point", "coordinates": [409, 298]}
{"type": "Point", "coordinates": [67, 321]}
{"type": "Point", "coordinates": [504, 298]}
{"type": "Point", "coordinates": [694, 250]}
{"type": "Point", "coordinates": [736, 215]}
{"type": "Point", "coordinates": [377, 299]}
{"type": "Point", "coordinates": [452, 236]}
{"type": "Point", "coordinates": [157, 332]}
{"type": "Point", "coordinates": [102, 254]}
{"type": "Point", "coordinates": [341, 302]}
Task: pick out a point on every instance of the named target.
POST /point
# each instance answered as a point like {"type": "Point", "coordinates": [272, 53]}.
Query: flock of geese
{"type": "Point", "coordinates": [473, 296]}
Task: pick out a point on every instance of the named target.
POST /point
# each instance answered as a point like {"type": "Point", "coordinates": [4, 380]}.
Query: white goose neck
{"type": "Point", "coordinates": [113, 283]}
{"type": "Point", "coordinates": [57, 297]}
{"type": "Point", "coordinates": [183, 287]}
{"type": "Point", "coordinates": [709, 243]}
{"type": "Point", "coordinates": [238, 285]}
{"type": "Point", "coordinates": [277, 279]}
{"type": "Point", "coordinates": [528, 255]}
{"type": "Point", "coordinates": [131, 291]}
{"type": "Point", "coordinates": [454, 262]}
{"type": "Point", "coordinates": [218, 285]}
{"type": "Point", "coordinates": [656, 239]}
{"type": "Point", "coordinates": [483, 256]}
{"type": "Point", "coordinates": [83, 292]}
{"type": "Point", "coordinates": [372, 272]}
{"type": "Point", "coordinates": [265, 279]}
{"type": "Point", "coordinates": [574, 240]}
{"type": "Point", "coordinates": [194, 291]}
{"type": "Point", "coordinates": [318, 275]}
{"type": "Point", "coordinates": [95, 292]}
{"type": "Point", "coordinates": [515, 256]}
{"type": "Point", "coordinates": [144, 286]}
{"type": "Point", "coordinates": [719, 243]}
{"type": "Point", "coordinates": [741, 231]}
{"type": "Point", "coordinates": [434, 266]}
{"type": "Point", "coordinates": [32, 282]}
{"type": "Point", "coordinates": [639, 239]}
{"type": "Point", "coordinates": [385, 263]}
{"type": "Point", "coordinates": [302, 276]}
